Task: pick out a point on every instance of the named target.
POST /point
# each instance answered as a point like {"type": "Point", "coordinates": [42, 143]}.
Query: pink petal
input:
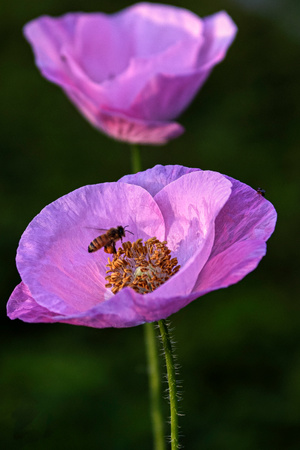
{"type": "Point", "coordinates": [52, 258]}
{"type": "Point", "coordinates": [46, 35]}
{"type": "Point", "coordinates": [21, 305]}
{"type": "Point", "coordinates": [242, 227]}
{"type": "Point", "coordinates": [173, 93]}
{"type": "Point", "coordinates": [155, 179]}
{"type": "Point", "coordinates": [219, 33]}
{"type": "Point", "coordinates": [230, 266]}
{"type": "Point", "coordinates": [129, 129]}
{"type": "Point", "coordinates": [125, 128]}
{"type": "Point", "coordinates": [175, 88]}
{"type": "Point", "coordinates": [246, 215]}
{"type": "Point", "coordinates": [116, 313]}
{"type": "Point", "coordinates": [189, 206]}
{"type": "Point", "coordinates": [97, 43]}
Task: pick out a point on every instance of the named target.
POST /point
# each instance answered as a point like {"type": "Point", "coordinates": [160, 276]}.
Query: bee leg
{"type": "Point", "coordinates": [110, 248]}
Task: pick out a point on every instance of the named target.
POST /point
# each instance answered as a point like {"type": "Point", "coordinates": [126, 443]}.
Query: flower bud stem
{"type": "Point", "coordinates": [171, 378]}
{"type": "Point", "coordinates": [135, 158]}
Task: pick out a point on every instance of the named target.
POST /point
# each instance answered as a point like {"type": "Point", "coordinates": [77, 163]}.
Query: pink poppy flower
{"type": "Point", "coordinates": [215, 227]}
{"type": "Point", "coordinates": [133, 72]}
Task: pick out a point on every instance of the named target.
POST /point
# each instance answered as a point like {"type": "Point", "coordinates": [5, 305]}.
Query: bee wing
{"type": "Point", "coordinates": [98, 229]}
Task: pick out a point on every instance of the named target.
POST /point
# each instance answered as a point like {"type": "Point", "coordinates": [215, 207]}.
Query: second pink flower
{"type": "Point", "coordinates": [131, 73]}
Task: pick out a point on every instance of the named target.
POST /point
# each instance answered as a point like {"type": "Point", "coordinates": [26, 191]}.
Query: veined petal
{"type": "Point", "coordinates": [230, 266]}
{"type": "Point", "coordinates": [52, 257]}
{"type": "Point", "coordinates": [22, 306]}
{"type": "Point", "coordinates": [190, 206]}
{"type": "Point", "coordinates": [246, 215]}
{"type": "Point", "coordinates": [155, 179]}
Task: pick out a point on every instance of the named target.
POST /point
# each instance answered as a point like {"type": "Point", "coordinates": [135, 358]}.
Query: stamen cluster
{"type": "Point", "coordinates": [142, 267]}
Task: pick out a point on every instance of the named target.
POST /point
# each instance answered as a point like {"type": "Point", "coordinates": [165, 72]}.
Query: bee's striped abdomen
{"type": "Point", "coordinates": [96, 244]}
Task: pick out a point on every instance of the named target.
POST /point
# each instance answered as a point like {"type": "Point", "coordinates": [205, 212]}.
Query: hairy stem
{"type": "Point", "coordinates": [171, 377]}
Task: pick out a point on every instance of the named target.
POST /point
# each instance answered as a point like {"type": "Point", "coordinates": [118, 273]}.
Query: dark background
{"type": "Point", "coordinates": [68, 387]}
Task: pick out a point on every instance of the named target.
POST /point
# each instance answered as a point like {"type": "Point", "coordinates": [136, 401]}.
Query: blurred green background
{"type": "Point", "coordinates": [68, 387]}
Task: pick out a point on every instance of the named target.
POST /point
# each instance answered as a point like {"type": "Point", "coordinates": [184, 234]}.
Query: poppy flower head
{"type": "Point", "coordinates": [133, 72]}
{"type": "Point", "coordinates": [194, 232]}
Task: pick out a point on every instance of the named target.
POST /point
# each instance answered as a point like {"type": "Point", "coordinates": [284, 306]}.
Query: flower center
{"type": "Point", "coordinates": [143, 267]}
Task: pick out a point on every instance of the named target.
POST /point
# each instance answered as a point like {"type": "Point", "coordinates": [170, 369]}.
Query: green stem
{"type": "Point", "coordinates": [136, 164]}
{"type": "Point", "coordinates": [154, 386]}
{"type": "Point", "coordinates": [171, 376]}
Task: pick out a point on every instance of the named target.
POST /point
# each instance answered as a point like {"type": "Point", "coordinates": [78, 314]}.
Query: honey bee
{"type": "Point", "coordinates": [261, 192]}
{"type": "Point", "coordinates": [108, 240]}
